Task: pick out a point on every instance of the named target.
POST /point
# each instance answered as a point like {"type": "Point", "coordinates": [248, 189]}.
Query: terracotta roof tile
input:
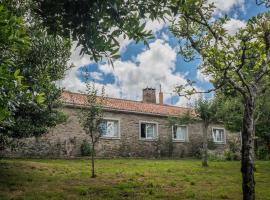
{"type": "Point", "coordinates": [127, 105]}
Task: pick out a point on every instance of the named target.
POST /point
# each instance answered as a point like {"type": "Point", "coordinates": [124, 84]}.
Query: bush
{"type": "Point", "coordinates": [85, 148]}
{"type": "Point", "coordinates": [262, 153]}
{"type": "Point", "coordinates": [229, 155]}
{"type": "Point", "coordinates": [216, 156]}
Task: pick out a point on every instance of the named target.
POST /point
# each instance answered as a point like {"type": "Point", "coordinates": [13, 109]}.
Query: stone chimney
{"type": "Point", "coordinates": [160, 96]}
{"type": "Point", "coordinates": [149, 95]}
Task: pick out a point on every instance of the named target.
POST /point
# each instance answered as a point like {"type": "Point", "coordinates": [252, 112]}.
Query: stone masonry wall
{"type": "Point", "coordinates": [65, 139]}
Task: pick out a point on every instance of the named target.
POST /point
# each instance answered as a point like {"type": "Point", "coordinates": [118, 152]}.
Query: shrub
{"type": "Point", "coordinates": [229, 155]}
{"type": "Point", "coordinates": [216, 156]}
{"type": "Point", "coordinates": [85, 148]}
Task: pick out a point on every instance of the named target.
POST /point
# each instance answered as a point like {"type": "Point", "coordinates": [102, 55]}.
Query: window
{"type": "Point", "coordinates": [180, 133]}
{"type": "Point", "coordinates": [148, 130]}
{"type": "Point", "coordinates": [218, 135]}
{"type": "Point", "coordinates": [110, 128]}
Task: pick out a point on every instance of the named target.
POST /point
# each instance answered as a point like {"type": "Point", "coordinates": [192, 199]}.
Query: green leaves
{"type": "Point", "coordinates": [30, 62]}
{"type": "Point", "coordinates": [40, 98]}
{"type": "Point", "coordinates": [14, 41]}
{"type": "Point", "coordinates": [97, 25]}
{"type": "Point", "coordinates": [91, 114]}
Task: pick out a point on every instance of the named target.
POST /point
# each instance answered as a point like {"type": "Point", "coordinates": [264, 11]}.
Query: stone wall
{"type": "Point", "coordinates": [65, 139]}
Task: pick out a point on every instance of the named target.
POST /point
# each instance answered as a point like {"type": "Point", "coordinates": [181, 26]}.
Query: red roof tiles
{"type": "Point", "coordinates": [127, 105]}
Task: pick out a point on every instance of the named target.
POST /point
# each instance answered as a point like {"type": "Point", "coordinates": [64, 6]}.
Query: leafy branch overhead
{"type": "Point", "coordinates": [98, 24]}
{"type": "Point", "coordinates": [239, 61]}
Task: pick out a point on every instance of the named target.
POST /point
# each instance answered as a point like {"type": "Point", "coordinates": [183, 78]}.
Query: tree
{"type": "Point", "coordinates": [13, 41]}
{"type": "Point", "coordinates": [97, 24]}
{"type": "Point", "coordinates": [205, 112]}
{"type": "Point", "coordinates": [237, 62]}
{"type": "Point", "coordinates": [91, 118]}
{"type": "Point", "coordinates": [45, 63]}
{"type": "Point", "coordinates": [230, 111]}
{"type": "Point", "coordinates": [41, 65]}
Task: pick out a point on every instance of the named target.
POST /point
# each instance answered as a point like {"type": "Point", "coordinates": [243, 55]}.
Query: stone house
{"type": "Point", "coordinates": [132, 129]}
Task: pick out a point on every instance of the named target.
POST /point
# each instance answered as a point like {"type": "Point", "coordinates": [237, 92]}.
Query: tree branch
{"type": "Point", "coordinates": [265, 63]}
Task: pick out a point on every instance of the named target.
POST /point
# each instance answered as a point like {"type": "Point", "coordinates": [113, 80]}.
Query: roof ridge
{"type": "Point", "coordinates": [165, 105]}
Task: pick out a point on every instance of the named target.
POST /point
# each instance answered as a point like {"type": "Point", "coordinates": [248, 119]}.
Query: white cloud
{"type": "Point", "coordinates": [225, 6]}
{"type": "Point", "coordinates": [123, 42]}
{"type": "Point", "coordinates": [76, 59]}
{"type": "Point", "coordinates": [202, 76]}
{"type": "Point", "coordinates": [152, 67]}
{"type": "Point", "coordinates": [233, 25]}
{"type": "Point", "coordinates": [155, 25]}
{"type": "Point", "coordinates": [189, 102]}
{"type": "Point", "coordinates": [71, 81]}
{"type": "Point", "coordinates": [97, 76]}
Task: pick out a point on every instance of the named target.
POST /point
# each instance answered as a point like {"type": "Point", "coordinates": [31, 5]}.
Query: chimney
{"type": "Point", "coordinates": [149, 95]}
{"type": "Point", "coordinates": [160, 96]}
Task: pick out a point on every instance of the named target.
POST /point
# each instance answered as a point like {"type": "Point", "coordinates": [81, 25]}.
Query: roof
{"type": "Point", "coordinates": [70, 98]}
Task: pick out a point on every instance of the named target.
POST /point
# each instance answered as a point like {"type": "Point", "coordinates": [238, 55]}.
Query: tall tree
{"type": "Point", "coordinates": [237, 62]}
{"type": "Point", "coordinates": [14, 41]}
{"type": "Point", "coordinates": [230, 111]}
{"type": "Point", "coordinates": [91, 118]}
{"type": "Point", "coordinates": [206, 112]}
{"type": "Point", "coordinates": [44, 63]}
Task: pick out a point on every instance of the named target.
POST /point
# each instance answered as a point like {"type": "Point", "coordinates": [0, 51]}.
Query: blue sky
{"type": "Point", "coordinates": [141, 67]}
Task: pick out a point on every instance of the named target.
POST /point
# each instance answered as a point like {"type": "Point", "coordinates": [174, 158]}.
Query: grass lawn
{"type": "Point", "coordinates": [126, 179]}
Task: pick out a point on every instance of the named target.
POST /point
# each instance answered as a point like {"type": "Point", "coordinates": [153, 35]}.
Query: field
{"type": "Point", "coordinates": [126, 179]}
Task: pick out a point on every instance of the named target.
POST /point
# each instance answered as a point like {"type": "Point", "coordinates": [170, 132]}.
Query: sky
{"type": "Point", "coordinates": [160, 64]}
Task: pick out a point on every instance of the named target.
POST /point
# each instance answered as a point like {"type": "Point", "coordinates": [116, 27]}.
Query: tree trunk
{"type": "Point", "coordinates": [93, 161]}
{"type": "Point", "coordinates": [205, 148]}
{"type": "Point", "coordinates": [247, 168]}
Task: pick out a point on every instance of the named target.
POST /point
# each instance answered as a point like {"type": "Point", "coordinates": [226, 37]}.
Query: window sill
{"type": "Point", "coordinates": [148, 140]}
{"type": "Point", "coordinates": [220, 143]}
{"type": "Point", "coordinates": [180, 141]}
{"type": "Point", "coordinates": [110, 138]}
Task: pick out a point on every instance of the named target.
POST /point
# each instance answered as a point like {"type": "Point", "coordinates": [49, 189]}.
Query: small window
{"type": "Point", "coordinates": [218, 135]}
{"type": "Point", "coordinates": [148, 130]}
{"type": "Point", "coordinates": [180, 133]}
{"type": "Point", "coordinates": [110, 128]}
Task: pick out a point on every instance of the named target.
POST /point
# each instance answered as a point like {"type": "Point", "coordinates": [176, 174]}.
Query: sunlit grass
{"type": "Point", "coordinates": [127, 179]}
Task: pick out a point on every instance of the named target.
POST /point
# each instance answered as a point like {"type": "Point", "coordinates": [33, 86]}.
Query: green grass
{"type": "Point", "coordinates": [127, 179]}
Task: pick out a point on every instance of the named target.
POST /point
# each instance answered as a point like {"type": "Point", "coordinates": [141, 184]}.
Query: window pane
{"type": "Point", "coordinates": [218, 135]}
{"type": "Point", "coordinates": [109, 128]}
{"type": "Point", "coordinates": [181, 133]}
{"type": "Point", "coordinates": [174, 132]}
{"type": "Point", "coordinates": [116, 131]}
{"type": "Point", "coordinates": [142, 130]}
{"type": "Point", "coordinates": [103, 128]}
{"type": "Point", "coordinates": [149, 130]}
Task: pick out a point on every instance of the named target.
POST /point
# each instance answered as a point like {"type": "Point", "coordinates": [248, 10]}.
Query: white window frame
{"type": "Point", "coordinates": [119, 131]}
{"type": "Point", "coordinates": [148, 139]}
{"type": "Point", "coordinates": [179, 140]}
{"type": "Point", "coordinates": [217, 142]}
